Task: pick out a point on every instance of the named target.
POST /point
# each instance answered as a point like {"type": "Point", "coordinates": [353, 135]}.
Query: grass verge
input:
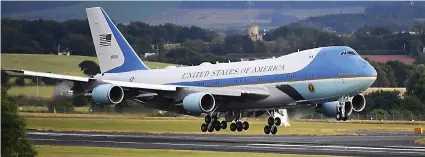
{"type": "Point", "coordinates": [181, 125]}
{"type": "Point", "coordinates": [78, 151]}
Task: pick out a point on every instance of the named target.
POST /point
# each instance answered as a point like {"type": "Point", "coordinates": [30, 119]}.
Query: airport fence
{"type": "Point", "coordinates": [373, 116]}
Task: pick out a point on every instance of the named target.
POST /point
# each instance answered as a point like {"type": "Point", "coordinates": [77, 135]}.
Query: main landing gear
{"type": "Point", "coordinates": [342, 114]}
{"type": "Point", "coordinates": [212, 123]}
{"type": "Point", "coordinates": [272, 123]}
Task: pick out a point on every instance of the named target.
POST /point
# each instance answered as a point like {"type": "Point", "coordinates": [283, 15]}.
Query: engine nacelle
{"type": "Point", "coordinates": [329, 109]}
{"type": "Point", "coordinates": [199, 103]}
{"type": "Point", "coordinates": [108, 94]}
{"type": "Point", "coordinates": [359, 102]}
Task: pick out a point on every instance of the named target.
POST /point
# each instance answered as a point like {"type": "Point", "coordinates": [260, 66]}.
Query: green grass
{"type": "Point", "coordinates": [193, 126]}
{"type": "Point", "coordinates": [79, 151]}
{"type": "Point", "coordinates": [31, 91]}
{"type": "Point", "coordinates": [53, 63]}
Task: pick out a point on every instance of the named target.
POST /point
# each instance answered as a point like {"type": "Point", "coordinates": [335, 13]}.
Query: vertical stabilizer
{"type": "Point", "coordinates": [114, 53]}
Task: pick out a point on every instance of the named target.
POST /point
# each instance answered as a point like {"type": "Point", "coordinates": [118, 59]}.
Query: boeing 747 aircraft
{"type": "Point", "coordinates": [331, 78]}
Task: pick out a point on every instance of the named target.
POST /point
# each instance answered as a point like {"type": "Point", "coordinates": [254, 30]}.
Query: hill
{"type": "Point", "coordinates": [53, 63]}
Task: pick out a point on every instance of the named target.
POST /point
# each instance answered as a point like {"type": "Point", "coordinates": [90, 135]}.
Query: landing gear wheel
{"type": "Point", "coordinates": [214, 118]}
{"type": "Point", "coordinates": [277, 121]}
{"type": "Point", "coordinates": [223, 125]}
{"type": "Point", "coordinates": [338, 116]}
{"type": "Point", "coordinates": [267, 129]}
{"type": "Point", "coordinates": [207, 119]}
{"type": "Point", "coordinates": [211, 128]}
{"type": "Point", "coordinates": [204, 127]}
{"type": "Point", "coordinates": [245, 125]}
{"type": "Point", "coordinates": [270, 121]}
{"type": "Point", "coordinates": [217, 126]}
{"type": "Point", "coordinates": [274, 130]}
{"type": "Point", "coordinates": [345, 118]}
{"type": "Point", "coordinates": [239, 126]}
{"type": "Point", "coordinates": [233, 127]}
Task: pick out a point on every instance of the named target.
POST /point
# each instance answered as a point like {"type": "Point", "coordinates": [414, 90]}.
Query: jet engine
{"type": "Point", "coordinates": [108, 94]}
{"type": "Point", "coordinates": [359, 103]}
{"type": "Point", "coordinates": [199, 103]}
{"type": "Point", "coordinates": [329, 109]}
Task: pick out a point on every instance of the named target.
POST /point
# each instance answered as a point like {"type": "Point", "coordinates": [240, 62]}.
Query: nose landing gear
{"type": "Point", "coordinates": [342, 114]}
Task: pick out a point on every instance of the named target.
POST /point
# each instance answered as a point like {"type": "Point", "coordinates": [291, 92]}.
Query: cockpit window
{"type": "Point", "coordinates": [348, 53]}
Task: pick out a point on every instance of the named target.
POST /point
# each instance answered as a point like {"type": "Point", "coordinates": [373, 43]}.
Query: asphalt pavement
{"type": "Point", "coordinates": [368, 144]}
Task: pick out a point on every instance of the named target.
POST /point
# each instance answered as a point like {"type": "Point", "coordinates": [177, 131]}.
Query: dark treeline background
{"type": "Point", "coordinates": [44, 36]}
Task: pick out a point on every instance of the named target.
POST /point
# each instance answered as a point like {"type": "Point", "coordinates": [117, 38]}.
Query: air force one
{"type": "Point", "coordinates": [331, 78]}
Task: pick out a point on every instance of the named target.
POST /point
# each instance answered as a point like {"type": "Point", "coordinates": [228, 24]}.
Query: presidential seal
{"type": "Point", "coordinates": [311, 88]}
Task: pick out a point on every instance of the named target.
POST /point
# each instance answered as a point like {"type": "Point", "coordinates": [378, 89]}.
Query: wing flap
{"type": "Point", "coordinates": [142, 85]}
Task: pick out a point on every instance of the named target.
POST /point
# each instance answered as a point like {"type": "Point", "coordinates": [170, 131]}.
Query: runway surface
{"type": "Point", "coordinates": [376, 144]}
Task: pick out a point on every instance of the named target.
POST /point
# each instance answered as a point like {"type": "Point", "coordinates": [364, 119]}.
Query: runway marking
{"type": "Point", "coordinates": [343, 147]}
{"type": "Point", "coordinates": [265, 146]}
{"type": "Point", "coordinates": [406, 147]}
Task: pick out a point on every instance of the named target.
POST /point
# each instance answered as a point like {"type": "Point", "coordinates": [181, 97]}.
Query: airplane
{"type": "Point", "coordinates": [330, 78]}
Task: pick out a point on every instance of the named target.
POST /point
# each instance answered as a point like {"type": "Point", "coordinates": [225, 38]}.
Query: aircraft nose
{"type": "Point", "coordinates": [370, 71]}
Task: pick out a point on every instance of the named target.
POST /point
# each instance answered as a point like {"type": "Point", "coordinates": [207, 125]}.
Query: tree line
{"type": "Point", "coordinates": [44, 37]}
{"type": "Point", "coordinates": [394, 102]}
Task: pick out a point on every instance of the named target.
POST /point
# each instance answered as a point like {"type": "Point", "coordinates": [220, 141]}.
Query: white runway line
{"type": "Point", "coordinates": [341, 147]}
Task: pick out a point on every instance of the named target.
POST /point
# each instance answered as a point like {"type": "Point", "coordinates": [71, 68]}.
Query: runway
{"type": "Point", "coordinates": [366, 145]}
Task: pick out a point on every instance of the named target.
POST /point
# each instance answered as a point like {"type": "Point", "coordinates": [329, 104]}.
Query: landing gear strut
{"type": "Point", "coordinates": [272, 123]}
{"type": "Point", "coordinates": [238, 125]}
{"type": "Point", "coordinates": [342, 114]}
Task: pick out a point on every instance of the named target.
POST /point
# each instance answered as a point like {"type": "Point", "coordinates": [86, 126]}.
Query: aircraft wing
{"type": "Point", "coordinates": [218, 91]}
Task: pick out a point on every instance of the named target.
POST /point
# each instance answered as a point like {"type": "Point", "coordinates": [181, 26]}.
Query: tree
{"type": "Point", "coordinates": [89, 68]}
{"type": "Point", "coordinates": [415, 85]}
{"type": "Point", "coordinates": [4, 77]}
{"type": "Point", "coordinates": [401, 72]}
{"type": "Point", "coordinates": [13, 130]}
{"type": "Point", "coordinates": [197, 45]}
{"type": "Point", "coordinates": [414, 104]}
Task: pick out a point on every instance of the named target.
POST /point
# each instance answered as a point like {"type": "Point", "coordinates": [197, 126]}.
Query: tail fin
{"type": "Point", "coordinates": [114, 53]}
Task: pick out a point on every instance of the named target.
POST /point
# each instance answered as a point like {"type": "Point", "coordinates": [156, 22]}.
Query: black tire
{"type": "Point", "coordinates": [223, 124]}
{"type": "Point", "coordinates": [204, 127]}
{"type": "Point", "coordinates": [338, 116]}
{"type": "Point", "coordinates": [233, 127]}
{"type": "Point", "coordinates": [207, 119]}
{"type": "Point", "coordinates": [214, 118]}
{"type": "Point", "coordinates": [270, 121]}
{"type": "Point", "coordinates": [211, 128]}
{"type": "Point", "coordinates": [277, 121]}
{"type": "Point", "coordinates": [346, 118]}
{"type": "Point", "coordinates": [274, 130]}
{"type": "Point", "coordinates": [217, 126]}
{"type": "Point", "coordinates": [239, 126]}
{"type": "Point", "coordinates": [245, 125]}
{"type": "Point", "coordinates": [267, 129]}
